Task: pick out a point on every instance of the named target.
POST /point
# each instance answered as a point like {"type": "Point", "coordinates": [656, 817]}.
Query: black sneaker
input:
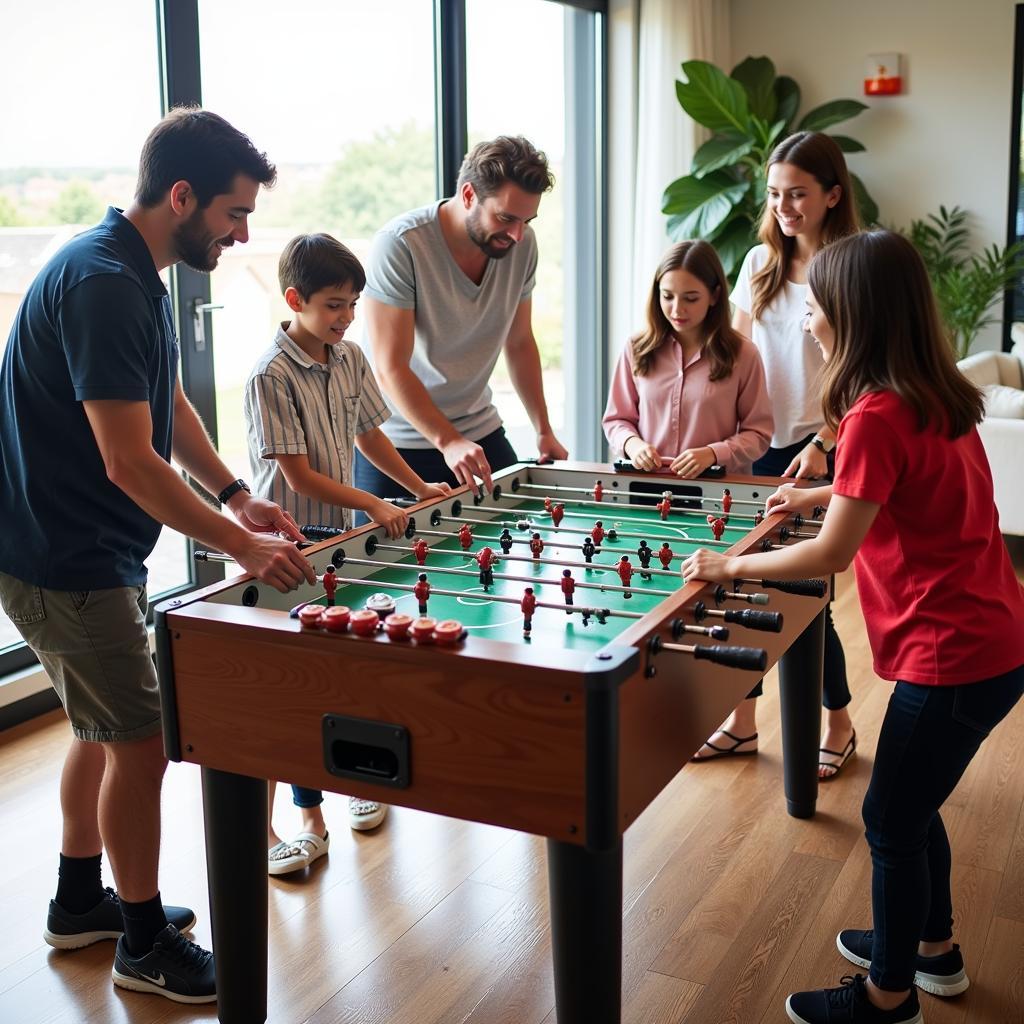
{"type": "Point", "coordinates": [174, 968]}
{"type": "Point", "coordinates": [942, 975]}
{"type": "Point", "coordinates": [65, 930]}
{"type": "Point", "coordinates": [849, 1004]}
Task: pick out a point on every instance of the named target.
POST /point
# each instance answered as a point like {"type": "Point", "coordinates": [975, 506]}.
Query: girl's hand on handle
{"type": "Point", "coordinates": [643, 455]}
{"type": "Point", "coordinates": [391, 517]}
{"type": "Point", "coordinates": [692, 462]}
{"type": "Point", "coordinates": [810, 464]}
{"type": "Point", "coordinates": [707, 565]}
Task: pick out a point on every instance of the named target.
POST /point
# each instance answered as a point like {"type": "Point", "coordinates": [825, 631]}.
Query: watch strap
{"type": "Point", "coordinates": [232, 489]}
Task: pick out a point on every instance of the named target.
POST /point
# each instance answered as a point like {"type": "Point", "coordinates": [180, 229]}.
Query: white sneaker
{"type": "Point", "coordinates": [285, 857]}
{"type": "Point", "coordinates": [312, 845]}
{"type": "Point", "coordinates": [365, 814]}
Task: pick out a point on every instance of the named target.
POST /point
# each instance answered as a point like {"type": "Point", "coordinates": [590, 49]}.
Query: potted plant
{"type": "Point", "coordinates": [966, 285]}
{"type": "Point", "coordinates": [748, 112]}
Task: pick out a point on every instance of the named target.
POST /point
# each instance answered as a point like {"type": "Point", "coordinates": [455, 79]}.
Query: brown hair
{"type": "Point", "coordinates": [720, 343]}
{"type": "Point", "coordinates": [310, 263]}
{"type": "Point", "coordinates": [820, 156]}
{"type": "Point", "coordinates": [874, 290]}
{"type": "Point", "coordinates": [200, 147]}
{"type": "Point", "coordinates": [489, 165]}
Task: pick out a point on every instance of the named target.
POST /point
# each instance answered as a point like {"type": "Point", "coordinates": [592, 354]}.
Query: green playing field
{"type": "Point", "coordinates": [597, 586]}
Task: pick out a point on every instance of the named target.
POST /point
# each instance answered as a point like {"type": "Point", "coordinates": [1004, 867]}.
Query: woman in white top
{"type": "Point", "coordinates": [809, 203]}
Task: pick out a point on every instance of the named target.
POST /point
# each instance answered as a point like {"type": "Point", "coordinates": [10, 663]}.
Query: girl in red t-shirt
{"type": "Point", "coordinates": [911, 505]}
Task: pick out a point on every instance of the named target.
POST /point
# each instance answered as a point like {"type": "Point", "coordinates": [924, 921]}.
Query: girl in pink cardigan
{"type": "Point", "coordinates": [689, 388]}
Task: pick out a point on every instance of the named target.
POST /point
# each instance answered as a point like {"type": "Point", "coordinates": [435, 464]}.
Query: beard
{"type": "Point", "coordinates": [486, 242]}
{"type": "Point", "coordinates": [194, 244]}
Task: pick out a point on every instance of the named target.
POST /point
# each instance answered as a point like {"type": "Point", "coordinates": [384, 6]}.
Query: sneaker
{"type": "Point", "coordinates": [285, 857]}
{"type": "Point", "coordinates": [941, 975]}
{"type": "Point", "coordinates": [849, 1004]}
{"type": "Point", "coordinates": [174, 968]}
{"type": "Point", "coordinates": [365, 814]}
{"type": "Point", "coordinates": [65, 930]}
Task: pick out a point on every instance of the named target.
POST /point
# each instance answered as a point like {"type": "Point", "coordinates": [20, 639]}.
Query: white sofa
{"type": "Point", "coordinates": [1001, 376]}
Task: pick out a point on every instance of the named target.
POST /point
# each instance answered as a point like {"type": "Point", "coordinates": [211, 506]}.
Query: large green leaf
{"type": "Point", "coordinates": [702, 204]}
{"type": "Point", "coordinates": [713, 99]}
{"type": "Point", "coordinates": [720, 151]}
{"type": "Point", "coordinates": [732, 242]}
{"type": "Point", "coordinates": [865, 204]}
{"type": "Point", "coordinates": [757, 76]}
{"type": "Point", "coordinates": [848, 145]}
{"type": "Point", "coordinates": [787, 93]}
{"type": "Point", "coordinates": [820, 118]}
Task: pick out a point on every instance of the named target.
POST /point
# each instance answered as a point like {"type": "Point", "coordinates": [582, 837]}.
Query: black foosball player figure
{"type": "Point", "coordinates": [644, 554]}
{"type": "Point", "coordinates": [625, 571]}
{"type": "Point", "coordinates": [557, 514]}
{"type": "Point", "coordinates": [665, 505]}
{"type": "Point", "coordinates": [717, 525]}
{"type": "Point", "coordinates": [726, 500]}
{"type": "Point", "coordinates": [505, 541]}
{"type": "Point", "coordinates": [598, 532]}
{"type": "Point", "coordinates": [528, 605]}
{"type": "Point", "coordinates": [536, 545]}
{"type": "Point", "coordinates": [759, 517]}
{"type": "Point", "coordinates": [419, 550]}
{"type": "Point", "coordinates": [485, 559]}
{"type": "Point", "coordinates": [598, 491]}
{"type": "Point", "coordinates": [588, 549]}
{"type": "Point", "coordinates": [422, 592]}
{"type": "Point", "coordinates": [665, 555]}
{"type": "Point", "coordinates": [568, 585]}
{"type": "Point", "coordinates": [330, 584]}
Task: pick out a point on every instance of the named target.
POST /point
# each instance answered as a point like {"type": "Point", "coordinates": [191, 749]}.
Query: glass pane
{"type": "Point", "coordinates": [72, 134]}
{"type": "Point", "coordinates": [351, 132]}
{"type": "Point", "coordinates": [534, 107]}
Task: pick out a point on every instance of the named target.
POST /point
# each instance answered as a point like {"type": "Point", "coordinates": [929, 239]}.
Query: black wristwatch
{"type": "Point", "coordinates": [822, 445]}
{"type": "Point", "coordinates": [232, 489]}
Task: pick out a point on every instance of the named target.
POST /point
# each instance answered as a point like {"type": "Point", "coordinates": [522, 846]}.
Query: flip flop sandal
{"type": "Point", "coordinates": [727, 751]}
{"type": "Point", "coordinates": [844, 755]}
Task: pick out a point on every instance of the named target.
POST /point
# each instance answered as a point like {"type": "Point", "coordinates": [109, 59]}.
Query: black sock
{"type": "Point", "coordinates": [79, 883]}
{"type": "Point", "coordinates": [142, 923]}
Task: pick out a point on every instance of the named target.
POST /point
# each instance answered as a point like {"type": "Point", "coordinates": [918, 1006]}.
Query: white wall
{"type": "Point", "coordinates": [946, 139]}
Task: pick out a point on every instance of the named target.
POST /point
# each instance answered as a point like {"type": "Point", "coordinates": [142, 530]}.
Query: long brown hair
{"type": "Point", "coordinates": [820, 156]}
{"type": "Point", "coordinates": [720, 344]}
{"type": "Point", "coordinates": [874, 290]}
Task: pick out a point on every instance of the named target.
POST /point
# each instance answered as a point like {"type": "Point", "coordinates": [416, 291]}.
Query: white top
{"type": "Point", "coordinates": [792, 361]}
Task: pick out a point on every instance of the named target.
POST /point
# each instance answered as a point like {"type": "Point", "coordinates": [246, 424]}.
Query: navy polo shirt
{"type": "Point", "coordinates": [95, 324]}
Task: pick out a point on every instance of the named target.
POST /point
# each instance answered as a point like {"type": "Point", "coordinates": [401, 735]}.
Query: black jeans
{"type": "Point", "coordinates": [929, 736]}
{"type": "Point", "coordinates": [430, 465]}
{"type": "Point", "coordinates": [835, 689]}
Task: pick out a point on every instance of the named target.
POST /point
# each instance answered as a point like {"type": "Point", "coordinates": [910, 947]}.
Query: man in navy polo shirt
{"type": "Point", "coordinates": [91, 413]}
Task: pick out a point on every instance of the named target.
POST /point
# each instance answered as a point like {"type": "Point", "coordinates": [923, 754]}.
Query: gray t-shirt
{"type": "Point", "coordinates": [460, 326]}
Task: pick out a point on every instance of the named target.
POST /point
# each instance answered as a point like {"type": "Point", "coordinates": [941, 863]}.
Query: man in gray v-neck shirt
{"type": "Point", "coordinates": [448, 287]}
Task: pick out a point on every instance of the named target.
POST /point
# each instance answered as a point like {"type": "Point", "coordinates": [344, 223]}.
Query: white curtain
{"type": "Point", "coordinates": [670, 32]}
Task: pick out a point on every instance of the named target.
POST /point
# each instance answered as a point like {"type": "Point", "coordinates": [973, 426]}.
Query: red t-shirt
{"type": "Point", "coordinates": [941, 602]}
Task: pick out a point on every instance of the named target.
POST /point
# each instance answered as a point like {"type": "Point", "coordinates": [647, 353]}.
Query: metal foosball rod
{"type": "Point", "coordinates": [564, 488]}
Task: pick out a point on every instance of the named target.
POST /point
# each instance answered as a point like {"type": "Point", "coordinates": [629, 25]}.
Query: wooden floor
{"type": "Point", "coordinates": [729, 903]}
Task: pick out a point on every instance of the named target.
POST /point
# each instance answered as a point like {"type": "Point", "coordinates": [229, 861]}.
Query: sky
{"type": "Point", "coordinates": [301, 84]}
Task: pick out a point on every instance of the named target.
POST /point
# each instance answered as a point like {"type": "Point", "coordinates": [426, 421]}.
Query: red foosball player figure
{"type": "Point", "coordinates": [726, 500]}
{"type": "Point", "coordinates": [528, 605]}
{"type": "Point", "coordinates": [665, 505]}
{"type": "Point", "coordinates": [665, 555]}
{"type": "Point", "coordinates": [420, 549]}
{"type": "Point", "coordinates": [557, 514]}
{"type": "Point", "coordinates": [645, 554]}
{"type": "Point", "coordinates": [330, 584]}
{"type": "Point", "coordinates": [536, 545]}
{"type": "Point", "coordinates": [625, 571]}
{"type": "Point", "coordinates": [597, 533]}
{"type": "Point", "coordinates": [598, 491]}
{"type": "Point", "coordinates": [717, 526]}
{"type": "Point", "coordinates": [547, 504]}
{"type": "Point", "coordinates": [568, 585]}
{"type": "Point", "coordinates": [422, 592]}
{"type": "Point", "coordinates": [465, 537]}
{"type": "Point", "coordinates": [505, 541]}
{"type": "Point", "coordinates": [485, 558]}
{"type": "Point", "coordinates": [759, 517]}
{"type": "Point", "coordinates": [588, 549]}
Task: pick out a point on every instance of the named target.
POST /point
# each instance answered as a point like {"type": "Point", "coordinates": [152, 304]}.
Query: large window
{"type": "Point", "coordinates": [72, 127]}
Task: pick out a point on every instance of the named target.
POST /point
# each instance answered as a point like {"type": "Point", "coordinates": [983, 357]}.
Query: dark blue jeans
{"type": "Point", "coordinates": [835, 689]}
{"type": "Point", "coordinates": [303, 797]}
{"type": "Point", "coordinates": [929, 736]}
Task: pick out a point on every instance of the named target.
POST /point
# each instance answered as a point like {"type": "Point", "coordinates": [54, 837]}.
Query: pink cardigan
{"type": "Point", "coordinates": [675, 407]}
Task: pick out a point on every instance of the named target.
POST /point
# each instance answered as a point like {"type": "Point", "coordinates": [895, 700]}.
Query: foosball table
{"type": "Point", "coordinates": [553, 684]}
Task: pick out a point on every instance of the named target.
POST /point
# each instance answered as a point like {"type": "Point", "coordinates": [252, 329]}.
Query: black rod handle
{"type": "Point", "coordinates": [754, 659]}
{"type": "Point", "coordinates": [804, 588]}
{"type": "Point", "coordinates": [767, 622]}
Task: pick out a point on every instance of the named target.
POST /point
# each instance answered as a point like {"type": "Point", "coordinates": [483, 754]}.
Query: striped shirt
{"type": "Point", "coordinates": [296, 406]}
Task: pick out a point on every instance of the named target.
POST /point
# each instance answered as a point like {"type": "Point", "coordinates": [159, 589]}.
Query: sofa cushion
{"type": "Point", "coordinates": [1003, 402]}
